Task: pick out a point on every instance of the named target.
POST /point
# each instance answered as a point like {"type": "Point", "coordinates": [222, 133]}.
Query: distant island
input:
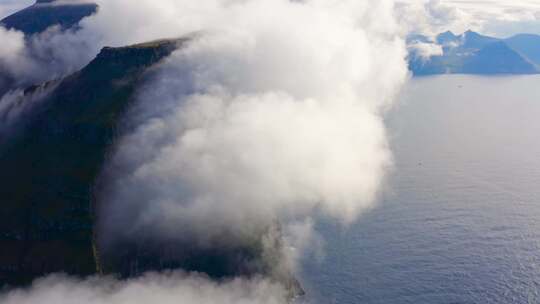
{"type": "Point", "coordinates": [473, 53]}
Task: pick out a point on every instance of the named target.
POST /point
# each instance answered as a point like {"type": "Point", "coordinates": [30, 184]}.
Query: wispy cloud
{"type": "Point", "coordinates": [166, 288]}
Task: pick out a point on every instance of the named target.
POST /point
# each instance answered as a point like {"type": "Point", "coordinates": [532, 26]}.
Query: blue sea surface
{"type": "Point", "coordinates": [458, 220]}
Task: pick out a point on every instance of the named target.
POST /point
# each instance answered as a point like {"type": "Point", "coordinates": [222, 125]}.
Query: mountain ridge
{"type": "Point", "coordinates": [42, 15]}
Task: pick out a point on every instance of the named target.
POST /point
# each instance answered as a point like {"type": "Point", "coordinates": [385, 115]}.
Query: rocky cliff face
{"type": "Point", "coordinates": [52, 159]}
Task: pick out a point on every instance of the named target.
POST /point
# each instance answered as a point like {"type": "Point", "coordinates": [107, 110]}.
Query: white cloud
{"type": "Point", "coordinates": [12, 45]}
{"type": "Point", "coordinates": [167, 288]}
{"type": "Point", "coordinates": [425, 50]}
{"type": "Point", "coordinates": [432, 17]}
{"type": "Point", "coordinates": [262, 120]}
{"type": "Point", "coordinates": [269, 119]}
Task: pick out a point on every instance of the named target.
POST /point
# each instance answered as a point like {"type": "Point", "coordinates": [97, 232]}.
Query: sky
{"type": "Point", "coordinates": [500, 18]}
{"type": "Point", "coordinates": [503, 17]}
{"type": "Point", "coordinates": [8, 7]}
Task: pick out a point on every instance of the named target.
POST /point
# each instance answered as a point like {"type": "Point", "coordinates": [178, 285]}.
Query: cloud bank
{"type": "Point", "coordinates": [254, 121]}
{"type": "Point", "coordinates": [175, 287]}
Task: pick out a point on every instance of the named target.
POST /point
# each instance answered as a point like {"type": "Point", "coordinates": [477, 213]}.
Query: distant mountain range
{"type": "Point", "coordinates": [473, 53]}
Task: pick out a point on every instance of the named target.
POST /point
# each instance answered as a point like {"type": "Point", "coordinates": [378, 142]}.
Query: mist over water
{"type": "Point", "coordinates": [459, 221]}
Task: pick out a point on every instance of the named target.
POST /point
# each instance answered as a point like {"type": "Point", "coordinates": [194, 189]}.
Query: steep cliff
{"type": "Point", "coordinates": [54, 154]}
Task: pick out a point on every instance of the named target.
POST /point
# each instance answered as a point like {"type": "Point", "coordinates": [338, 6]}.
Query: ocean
{"type": "Point", "coordinates": [458, 219]}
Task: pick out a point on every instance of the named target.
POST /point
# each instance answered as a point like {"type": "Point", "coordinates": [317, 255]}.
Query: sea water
{"type": "Point", "coordinates": [458, 220]}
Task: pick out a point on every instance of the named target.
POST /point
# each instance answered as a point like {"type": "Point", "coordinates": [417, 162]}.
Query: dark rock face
{"type": "Point", "coordinates": [7, 82]}
{"type": "Point", "coordinates": [50, 163]}
{"type": "Point", "coordinates": [472, 53]}
{"type": "Point", "coordinates": [44, 14]}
